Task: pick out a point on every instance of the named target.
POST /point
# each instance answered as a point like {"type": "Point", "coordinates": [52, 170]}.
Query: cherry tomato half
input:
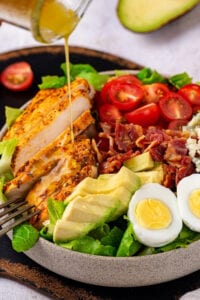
{"type": "Point", "coordinates": [146, 115]}
{"type": "Point", "coordinates": [111, 84]}
{"type": "Point", "coordinates": [130, 79]}
{"type": "Point", "coordinates": [154, 92]}
{"type": "Point", "coordinates": [125, 96]}
{"type": "Point", "coordinates": [173, 106]}
{"type": "Point", "coordinates": [17, 76]}
{"type": "Point", "coordinates": [191, 92]}
{"type": "Point", "coordinates": [109, 113]}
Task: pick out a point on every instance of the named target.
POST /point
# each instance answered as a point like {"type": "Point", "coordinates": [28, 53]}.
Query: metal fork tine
{"type": "Point", "coordinates": [16, 213]}
{"type": "Point", "coordinates": [8, 202]}
{"type": "Point", "coordinates": [11, 208]}
{"type": "Point", "coordinates": [18, 222]}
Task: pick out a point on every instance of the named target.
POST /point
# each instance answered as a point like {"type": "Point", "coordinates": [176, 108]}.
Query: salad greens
{"type": "Point", "coordinates": [7, 149]}
{"type": "Point", "coordinates": [24, 237]}
{"type": "Point", "coordinates": [11, 115]}
{"type": "Point", "coordinates": [78, 70]}
{"type": "Point", "coordinates": [113, 239]}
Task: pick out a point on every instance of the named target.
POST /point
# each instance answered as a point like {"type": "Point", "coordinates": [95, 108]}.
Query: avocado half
{"type": "Point", "coordinates": [150, 15]}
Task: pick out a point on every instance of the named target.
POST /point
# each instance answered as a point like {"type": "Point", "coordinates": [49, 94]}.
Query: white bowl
{"type": "Point", "coordinates": [115, 271]}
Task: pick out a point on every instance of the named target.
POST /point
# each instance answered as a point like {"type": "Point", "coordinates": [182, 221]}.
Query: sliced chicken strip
{"type": "Point", "coordinates": [48, 114]}
{"type": "Point", "coordinates": [77, 162]}
{"type": "Point", "coordinates": [44, 160]}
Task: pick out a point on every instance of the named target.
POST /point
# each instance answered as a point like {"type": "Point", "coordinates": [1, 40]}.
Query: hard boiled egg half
{"type": "Point", "coordinates": [188, 195]}
{"type": "Point", "coordinates": [154, 214]}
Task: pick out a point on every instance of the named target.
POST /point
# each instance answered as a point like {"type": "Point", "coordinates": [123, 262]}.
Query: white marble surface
{"type": "Point", "coordinates": [174, 48]}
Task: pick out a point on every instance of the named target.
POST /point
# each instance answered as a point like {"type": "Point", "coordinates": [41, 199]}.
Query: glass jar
{"type": "Point", "coordinates": [49, 20]}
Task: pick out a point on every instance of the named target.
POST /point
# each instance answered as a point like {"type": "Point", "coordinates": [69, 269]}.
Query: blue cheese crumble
{"type": "Point", "coordinates": [193, 142]}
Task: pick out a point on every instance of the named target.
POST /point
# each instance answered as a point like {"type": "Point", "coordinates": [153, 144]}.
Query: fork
{"type": "Point", "coordinates": [18, 211]}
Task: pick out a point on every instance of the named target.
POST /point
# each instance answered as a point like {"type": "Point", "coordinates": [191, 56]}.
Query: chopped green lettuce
{"type": "Point", "coordinates": [47, 232]}
{"type": "Point", "coordinates": [113, 238]}
{"type": "Point", "coordinates": [129, 246]}
{"type": "Point", "coordinates": [12, 114]}
{"type": "Point", "coordinates": [7, 149]}
{"type": "Point", "coordinates": [55, 210]}
{"type": "Point", "coordinates": [185, 238]}
{"type": "Point", "coordinates": [180, 80]}
{"type": "Point", "coordinates": [2, 196]}
{"type": "Point", "coordinates": [85, 71]}
{"type": "Point", "coordinates": [52, 82]}
{"type": "Point", "coordinates": [95, 79]}
{"type": "Point", "coordinates": [76, 69]}
{"type": "Point", "coordinates": [148, 76]}
{"type": "Point", "coordinates": [25, 236]}
{"type": "Point", "coordinates": [89, 245]}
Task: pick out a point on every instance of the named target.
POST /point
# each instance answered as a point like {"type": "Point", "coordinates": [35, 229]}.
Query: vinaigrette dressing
{"type": "Point", "coordinates": [55, 25]}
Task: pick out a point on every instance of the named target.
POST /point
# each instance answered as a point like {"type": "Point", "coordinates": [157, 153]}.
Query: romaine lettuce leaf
{"type": "Point", "coordinates": [113, 238]}
{"type": "Point", "coordinates": [52, 82]}
{"type": "Point", "coordinates": [25, 236]}
{"type": "Point", "coordinates": [2, 196]}
{"type": "Point", "coordinates": [148, 76]}
{"type": "Point", "coordinates": [7, 149]}
{"type": "Point", "coordinates": [180, 80]}
{"type": "Point", "coordinates": [55, 210]}
{"type": "Point", "coordinates": [89, 245]}
{"type": "Point", "coordinates": [12, 114]}
{"type": "Point", "coordinates": [129, 245]}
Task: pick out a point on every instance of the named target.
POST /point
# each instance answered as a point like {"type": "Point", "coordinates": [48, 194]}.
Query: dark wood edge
{"type": "Point", "coordinates": [43, 282]}
{"type": "Point", "coordinates": [125, 63]}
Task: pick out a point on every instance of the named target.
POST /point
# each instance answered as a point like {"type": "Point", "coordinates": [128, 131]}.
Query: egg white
{"type": "Point", "coordinates": [156, 237]}
{"type": "Point", "coordinates": [184, 188]}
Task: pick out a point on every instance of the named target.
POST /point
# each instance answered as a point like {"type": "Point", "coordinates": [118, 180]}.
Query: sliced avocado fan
{"type": "Point", "coordinates": [149, 15]}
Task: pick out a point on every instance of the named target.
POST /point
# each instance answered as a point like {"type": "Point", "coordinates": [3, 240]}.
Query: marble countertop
{"type": "Point", "coordinates": [173, 49]}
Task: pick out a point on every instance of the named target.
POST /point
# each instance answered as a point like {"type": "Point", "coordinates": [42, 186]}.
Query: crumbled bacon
{"type": "Point", "coordinates": [114, 163]}
{"type": "Point", "coordinates": [164, 145]}
{"type": "Point", "coordinates": [176, 149]}
{"type": "Point", "coordinates": [126, 135]}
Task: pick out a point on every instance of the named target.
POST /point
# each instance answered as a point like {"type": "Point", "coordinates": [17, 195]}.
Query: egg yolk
{"type": "Point", "coordinates": [152, 214]}
{"type": "Point", "coordinates": [194, 202]}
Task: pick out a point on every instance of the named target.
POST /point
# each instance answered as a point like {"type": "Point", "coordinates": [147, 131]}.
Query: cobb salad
{"type": "Point", "coordinates": [137, 192]}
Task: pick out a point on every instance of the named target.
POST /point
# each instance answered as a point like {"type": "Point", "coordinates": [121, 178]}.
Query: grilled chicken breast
{"type": "Point", "coordinates": [76, 162]}
{"type": "Point", "coordinates": [47, 115]}
{"type": "Point", "coordinates": [45, 160]}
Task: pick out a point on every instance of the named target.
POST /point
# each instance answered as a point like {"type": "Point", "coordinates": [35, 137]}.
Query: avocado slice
{"type": "Point", "coordinates": [141, 162]}
{"type": "Point", "coordinates": [149, 15]}
{"type": "Point", "coordinates": [105, 184]}
{"type": "Point", "coordinates": [155, 175]}
{"type": "Point", "coordinates": [86, 213]}
{"type": "Point", "coordinates": [94, 202]}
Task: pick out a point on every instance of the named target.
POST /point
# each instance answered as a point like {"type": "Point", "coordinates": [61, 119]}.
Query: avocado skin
{"type": "Point", "coordinates": [149, 15]}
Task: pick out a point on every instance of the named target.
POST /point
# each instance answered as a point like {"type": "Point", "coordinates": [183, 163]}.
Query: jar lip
{"type": "Point", "coordinates": [35, 20]}
{"type": "Point", "coordinates": [73, 11]}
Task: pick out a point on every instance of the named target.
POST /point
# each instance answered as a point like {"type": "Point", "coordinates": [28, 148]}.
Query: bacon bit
{"type": "Point", "coordinates": [152, 145]}
{"type": "Point", "coordinates": [111, 141]}
{"type": "Point", "coordinates": [114, 163]}
{"type": "Point", "coordinates": [140, 141]}
{"type": "Point", "coordinates": [164, 145]}
{"type": "Point", "coordinates": [126, 135]}
{"type": "Point", "coordinates": [176, 149]}
{"type": "Point", "coordinates": [169, 176]}
{"type": "Point", "coordinates": [97, 152]}
{"type": "Point", "coordinates": [157, 153]}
